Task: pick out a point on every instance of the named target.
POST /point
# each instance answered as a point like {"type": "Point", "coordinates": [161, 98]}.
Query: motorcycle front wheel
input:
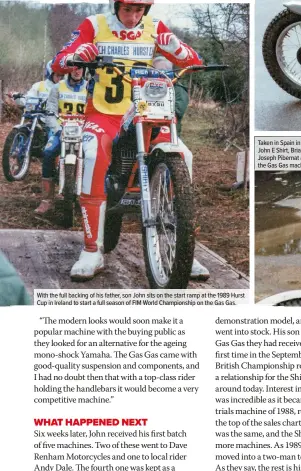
{"type": "Point", "coordinates": [15, 159]}
{"type": "Point", "coordinates": [69, 195]}
{"type": "Point", "coordinates": [281, 49]}
{"type": "Point", "coordinates": [169, 244]}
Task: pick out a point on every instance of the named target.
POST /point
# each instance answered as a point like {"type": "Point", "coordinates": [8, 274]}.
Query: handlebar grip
{"type": "Point", "coordinates": [208, 68]}
{"type": "Point", "coordinates": [91, 65]}
{"type": "Point", "coordinates": [15, 96]}
{"type": "Point", "coordinates": [213, 67]}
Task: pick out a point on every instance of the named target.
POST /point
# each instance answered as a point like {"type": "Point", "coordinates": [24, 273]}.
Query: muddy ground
{"type": "Point", "coordinates": [222, 215]}
{"type": "Point", "coordinates": [278, 233]}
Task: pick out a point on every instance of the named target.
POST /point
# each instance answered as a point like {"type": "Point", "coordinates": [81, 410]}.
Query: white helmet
{"type": "Point", "coordinates": [48, 70]}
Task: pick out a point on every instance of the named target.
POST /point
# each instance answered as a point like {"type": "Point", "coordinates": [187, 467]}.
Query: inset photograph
{"type": "Point", "coordinates": [124, 144]}
{"type": "Point", "coordinates": [277, 233]}
{"type": "Point", "coordinates": [277, 66]}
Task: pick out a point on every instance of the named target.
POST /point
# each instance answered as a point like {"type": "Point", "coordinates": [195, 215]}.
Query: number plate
{"type": "Point", "coordinates": [32, 103]}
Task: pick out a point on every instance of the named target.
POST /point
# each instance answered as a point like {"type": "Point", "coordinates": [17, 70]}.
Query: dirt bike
{"type": "Point", "coordinates": [26, 140]}
{"type": "Point", "coordinates": [70, 163]}
{"type": "Point", "coordinates": [151, 178]}
{"type": "Point", "coordinates": [281, 48]}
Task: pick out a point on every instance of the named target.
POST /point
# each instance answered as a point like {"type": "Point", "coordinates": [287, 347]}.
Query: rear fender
{"type": "Point", "coordinates": [295, 7]}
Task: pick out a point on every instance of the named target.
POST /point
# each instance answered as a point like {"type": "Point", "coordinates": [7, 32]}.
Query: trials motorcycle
{"type": "Point", "coordinates": [150, 178]}
{"type": "Point", "coordinates": [281, 48]}
{"type": "Point", "coordinates": [26, 140]}
{"type": "Point", "coordinates": [69, 168]}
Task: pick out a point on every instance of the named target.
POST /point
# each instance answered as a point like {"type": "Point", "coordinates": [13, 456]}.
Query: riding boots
{"type": "Point", "coordinates": [91, 259]}
{"type": "Point", "coordinates": [47, 202]}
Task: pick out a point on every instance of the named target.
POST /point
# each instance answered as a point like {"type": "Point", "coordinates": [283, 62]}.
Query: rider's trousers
{"type": "Point", "coordinates": [99, 132]}
{"type": "Point", "coordinates": [51, 151]}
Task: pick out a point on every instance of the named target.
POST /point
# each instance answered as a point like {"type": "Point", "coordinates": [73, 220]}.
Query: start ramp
{"type": "Point", "coordinates": [44, 259]}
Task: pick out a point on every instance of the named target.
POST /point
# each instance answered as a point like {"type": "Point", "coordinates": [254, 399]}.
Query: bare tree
{"type": "Point", "coordinates": [62, 21]}
{"type": "Point", "coordinates": [227, 26]}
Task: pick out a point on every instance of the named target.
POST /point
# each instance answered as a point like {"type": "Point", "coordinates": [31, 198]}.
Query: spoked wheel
{"type": "Point", "coordinates": [290, 303]}
{"type": "Point", "coordinates": [281, 49]}
{"type": "Point", "coordinates": [69, 195]}
{"type": "Point", "coordinates": [16, 159]}
{"type": "Point", "coordinates": [169, 243]}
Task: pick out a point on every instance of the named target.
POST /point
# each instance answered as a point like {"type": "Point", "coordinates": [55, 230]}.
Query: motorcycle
{"type": "Point", "coordinates": [151, 179]}
{"type": "Point", "coordinates": [281, 48]}
{"type": "Point", "coordinates": [25, 140]}
{"type": "Point", "coordinates": [70, 163]}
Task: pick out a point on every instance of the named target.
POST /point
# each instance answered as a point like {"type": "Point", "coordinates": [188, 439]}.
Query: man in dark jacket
{"type": "Point", "coordinates": [181, 93]}
{"type": "Point", "coordinates": [12, 289]}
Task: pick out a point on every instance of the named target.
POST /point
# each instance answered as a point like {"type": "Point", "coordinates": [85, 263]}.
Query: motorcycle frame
{"type": "Point", "coordinates": [31, 127]}
{"type": "Point", "coordinates": [72, 159]}
{"type": "Point", "coordinates": [29, 121]}
{"type": "Point", "coordinates": [143, 126]}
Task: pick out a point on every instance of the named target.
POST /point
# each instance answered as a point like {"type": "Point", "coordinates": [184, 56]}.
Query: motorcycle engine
{"type": "Point", "coordinates": [124, 154]}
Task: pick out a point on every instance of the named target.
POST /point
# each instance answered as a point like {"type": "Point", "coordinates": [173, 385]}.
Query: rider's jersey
{"type": "Point", "coordinates": [39, 90]}
{"type": "Point", "coordinates": [111, 93]}
{"type": "Point", "coordinates": [70, 99]}
{"type": "Point", "coordinates": [65, 99]}
{"type": "Point", "coordinates": [127, 46]}
{"type": "Point", "coordinates": [43, 89]}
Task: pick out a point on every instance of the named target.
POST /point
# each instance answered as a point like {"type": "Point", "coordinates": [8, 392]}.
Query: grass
{"type": "Point", "coordinates": [222, 214]}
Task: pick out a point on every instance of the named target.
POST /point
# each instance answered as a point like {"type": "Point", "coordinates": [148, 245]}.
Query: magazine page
{"type": "Point", "coordinates": [124, 234]}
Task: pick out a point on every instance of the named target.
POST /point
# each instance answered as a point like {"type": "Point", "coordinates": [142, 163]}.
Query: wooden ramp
{"type": "Point", "coordinates": [44, 258]}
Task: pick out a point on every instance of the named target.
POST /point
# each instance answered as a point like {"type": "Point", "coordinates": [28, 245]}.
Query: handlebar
{"type": "Point", "coordinates": [15, 96]}
{"type": "Point", "coordinates": [107, 61]}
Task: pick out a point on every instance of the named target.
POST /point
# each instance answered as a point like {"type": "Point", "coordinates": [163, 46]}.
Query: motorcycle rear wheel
{"type": "Point", "coordinates": [69, 195]}
{"type": "Point", "coordinates": [169, 245]}
{"type": "Point", "coordinates": [282, 52]}
{"type": "Point", "coordinates": [290, 302]}
{"type": "Point", "coordinates": [14, 164]}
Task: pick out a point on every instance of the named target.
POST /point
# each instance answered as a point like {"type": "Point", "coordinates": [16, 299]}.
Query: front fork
{"type": "Point", "coordinates": [66, 160]}
{"type": "Point", "coordinates": [143, 178]}
{"type": "Point", "coordinates": [31, 134]}
{"type": "Point", "coordinates": [147, 217]}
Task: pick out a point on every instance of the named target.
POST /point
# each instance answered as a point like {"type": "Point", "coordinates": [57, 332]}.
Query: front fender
{"type": "Point", "coordinates": [70, 159]}
{"type": "Point", "coordinates": [295, 7]}
{"type": "Point", "coordinates": [167, 148]}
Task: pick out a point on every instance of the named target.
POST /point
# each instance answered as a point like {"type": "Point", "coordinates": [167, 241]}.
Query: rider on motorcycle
{"type": "Point", "coordinates": [69, 96]}
{"type": "Point", "coordinates": [127, 33]}
{"type": "Point", "coordinates": [41, 89]}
